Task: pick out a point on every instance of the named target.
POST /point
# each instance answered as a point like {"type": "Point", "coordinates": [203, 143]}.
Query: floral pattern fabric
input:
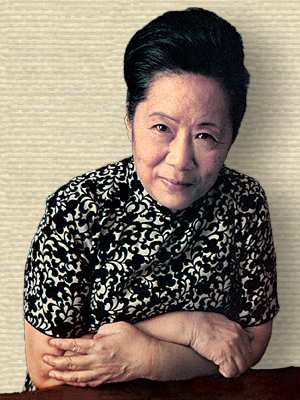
{"type": "Point", "coordinates": [106, 251]}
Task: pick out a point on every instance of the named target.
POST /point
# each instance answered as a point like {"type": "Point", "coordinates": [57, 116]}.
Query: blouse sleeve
{"type": "Point", "coordinates": [56, 279]}
{"type": "Point", "coordinates": [257, 280]}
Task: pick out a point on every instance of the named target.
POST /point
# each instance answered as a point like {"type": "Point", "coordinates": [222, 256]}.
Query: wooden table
{"type": "Point", "coordinates": [273, 384]}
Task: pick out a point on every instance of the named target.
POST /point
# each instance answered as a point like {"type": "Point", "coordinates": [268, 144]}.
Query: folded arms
{"type": "Point", "coordinates": [172, 346]}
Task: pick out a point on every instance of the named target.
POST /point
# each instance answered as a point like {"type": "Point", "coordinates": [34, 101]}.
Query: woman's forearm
{"type": "Point", "coordinates": [213, 337]}
{"type": "Point", "coordinates": [175, 327]}
{"type": "Point", "coordinates": [177, 362]}
{"type": "Point", "coordinates": [173, 359]}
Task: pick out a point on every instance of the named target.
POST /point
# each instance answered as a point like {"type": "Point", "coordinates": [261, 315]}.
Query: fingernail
{"type": "Point", "coordinates": [54, 342]}
{"type": "Point", "coordinates": [47, 358]}
{"type": "Point", "coordinates": [52, 374]}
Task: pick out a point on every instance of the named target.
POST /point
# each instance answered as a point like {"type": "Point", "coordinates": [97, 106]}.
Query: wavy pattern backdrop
{"type": "Point", "coordinates": [62, 106]}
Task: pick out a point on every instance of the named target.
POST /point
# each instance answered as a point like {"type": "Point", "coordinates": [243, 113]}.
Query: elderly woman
{"type": "Point", "coordinates": [161, 265]}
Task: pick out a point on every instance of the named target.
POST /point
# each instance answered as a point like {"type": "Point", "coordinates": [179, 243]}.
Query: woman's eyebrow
{"type": "Point", "coordinates": [162, 114]}
{"type": "Point", "coordinates": [199, 125]}
{"type": "Point", "coordinates": [208, 124]}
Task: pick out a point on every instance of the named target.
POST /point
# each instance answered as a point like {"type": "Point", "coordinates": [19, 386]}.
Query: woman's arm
{"type": "Point", "coordinates": [36, 345]}
{"type": "Point", "coordinates": [174, 359]}
{"type": "Point", "coordinates": [111, 356]}
{"type": "Point", "coordinates": [220, 340]}
{"type": "Point", "coordinates": [214, 337]}
{"type": "Point", "coordinates": [176, 327]}
{"type": "Point", "coordinates": [177, 362]}
{"type": "Point", "coordinates": [168, 362]}
{"type": "Point", "coordinates": [262, 335]}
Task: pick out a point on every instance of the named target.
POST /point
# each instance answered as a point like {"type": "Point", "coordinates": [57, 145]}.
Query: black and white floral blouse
{"type": "Point", "coordinates": [105, 251]}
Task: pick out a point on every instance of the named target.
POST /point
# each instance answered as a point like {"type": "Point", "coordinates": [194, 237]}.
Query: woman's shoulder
{"type": "Point", "coordinates": [242, 187]}
{"type": "Point", "coordinates": [96, 185]}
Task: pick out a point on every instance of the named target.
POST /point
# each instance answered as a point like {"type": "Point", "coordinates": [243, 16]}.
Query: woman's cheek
{"type": "Point", "coordinates": [151, 153]}
{"type": "Point", "coordinates": [212, 167]}
{"type": "Point", "coordinates": [219, 160]}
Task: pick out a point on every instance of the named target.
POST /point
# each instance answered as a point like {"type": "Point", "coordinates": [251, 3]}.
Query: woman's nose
{"type": "Point", "coordinates": [181, 153]}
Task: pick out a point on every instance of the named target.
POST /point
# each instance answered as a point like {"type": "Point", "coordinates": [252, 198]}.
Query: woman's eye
{"type": "Point", "coordinates": [206, 136]}
{"type": "Point", "coordinates": [161, 128]}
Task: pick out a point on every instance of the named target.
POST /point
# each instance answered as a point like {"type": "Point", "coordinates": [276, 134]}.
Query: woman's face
{"type": "Point", "coordinates": [181, 134]}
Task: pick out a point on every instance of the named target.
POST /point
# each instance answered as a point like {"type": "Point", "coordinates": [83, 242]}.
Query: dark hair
{"type": "Point", "coordinates": [193, 40]}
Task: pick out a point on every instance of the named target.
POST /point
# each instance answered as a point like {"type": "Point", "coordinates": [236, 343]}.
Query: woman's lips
{"type": "Point", "coordinates": [175, 185]}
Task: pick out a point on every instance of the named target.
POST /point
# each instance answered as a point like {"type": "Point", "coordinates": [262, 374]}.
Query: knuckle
{"type": "Point", "coordinates": [123, 370]}
{"type": "Point", "coordinates": [54, 362]}
{"type": "Point", "coordinates": [227, 373]}
{"type": "Point", "coordinates": [70, 365]}
{"type": "Point", "coordinates": [219, 358]}
{"type": "Point", "coordinates": [76, 346]}
{"type": "Point", "coordinates": [68, 353]}
{"type": "Point", "coordinates": [76, 379]}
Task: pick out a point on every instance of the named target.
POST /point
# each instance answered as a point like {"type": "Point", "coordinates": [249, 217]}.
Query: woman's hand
{"type": "Point", "coordinates": [223, 342]}
{"type": "Point", "coordinates": [118, 352]}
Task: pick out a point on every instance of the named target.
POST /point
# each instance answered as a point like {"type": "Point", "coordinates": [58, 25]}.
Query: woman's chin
{"type": "Point", "coordinates": [175, 204]}
{"type": "Point", "coordinates": [175, 197]}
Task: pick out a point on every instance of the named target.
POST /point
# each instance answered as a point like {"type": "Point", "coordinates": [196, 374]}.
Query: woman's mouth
{"type": "Point", "coordinates": [175, 185]}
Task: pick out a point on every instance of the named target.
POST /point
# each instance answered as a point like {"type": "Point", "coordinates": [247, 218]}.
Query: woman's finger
{"type": "Point", "coordinates": [69, 363]}
{"type": "Point", "coordinates": [93, 384]}
{"type": "Point", "coordinates": [229, 368]}
{"type": "Point", "coordinates": [99, 382]}
{"type": "Point", "coordinates": [241, 363]}
{"type": "Point", "coordinates": [80, 346]}
{"type": "Point", "coordinates": [245, 361]}
{"type": "Point", "coordinates": [79, 384]}
{"type": "Point", "coordinates": [241, 355]}
{"type": "Point", "coordinates": [74, 377]}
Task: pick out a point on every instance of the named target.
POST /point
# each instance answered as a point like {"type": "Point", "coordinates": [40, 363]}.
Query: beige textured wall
{"type": "Point", "coordinates": [62, 108]}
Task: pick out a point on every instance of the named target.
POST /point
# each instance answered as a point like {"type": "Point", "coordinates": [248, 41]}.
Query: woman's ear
{"type": "Point", "coordinates": [129, 127]}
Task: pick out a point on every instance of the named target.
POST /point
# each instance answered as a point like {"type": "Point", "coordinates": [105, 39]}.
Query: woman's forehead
{"type": "Point", "coordinates": [184, 95]}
